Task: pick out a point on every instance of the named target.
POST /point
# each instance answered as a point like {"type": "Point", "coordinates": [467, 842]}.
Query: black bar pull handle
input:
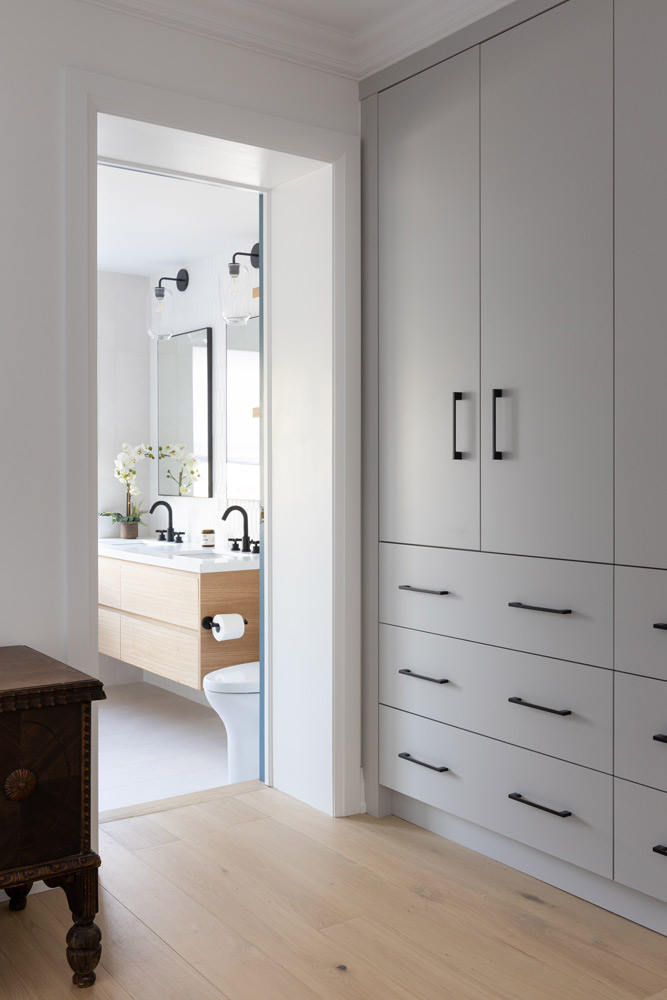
{"type": "Point", "coordinates": [660, 849]}
{"type": "Point", "coordinates": [534, 607]}
{"type": "Point", "coordinates": [662, 625]}
{"type": "Point", "coordinates": [563, 813]}
{"type": "Point", "coordinates": [543, 708]}
{"type": "Point", "coordinates": [456, 454]}
{"type": "Point", "coordinates": [660, 738]}
{"type": "Point", "coordinates": [422, 590]}
{"type": "Point", "coordinates": [497, 455]}
{"type": "Point", "coordinates": [422, 763]}
{"type": "Point", "coordinates": [434, 680]}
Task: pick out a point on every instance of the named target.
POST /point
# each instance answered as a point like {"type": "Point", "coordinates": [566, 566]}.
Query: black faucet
{"type": "Point", "coordinates": [170, 529]}
{"type": "Point", "coordinates": [246, 536]}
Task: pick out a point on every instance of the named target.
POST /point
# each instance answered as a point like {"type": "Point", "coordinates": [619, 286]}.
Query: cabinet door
{"type": "Point", "coordinates": [641, 304]}
{"type": "Point", "coordinates": [547, 285]}
{"type": "Point", "coordinates": [429, 306]}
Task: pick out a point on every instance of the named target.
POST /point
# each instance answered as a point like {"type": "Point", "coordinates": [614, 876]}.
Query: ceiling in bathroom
{"type": "Point", "coordinates": [148, 223]}
{"type": "Point", "coordinates": [353, 38]}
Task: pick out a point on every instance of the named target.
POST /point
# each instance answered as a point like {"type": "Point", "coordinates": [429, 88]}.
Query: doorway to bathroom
{"type": "Point", "coordinates": [179, 395]}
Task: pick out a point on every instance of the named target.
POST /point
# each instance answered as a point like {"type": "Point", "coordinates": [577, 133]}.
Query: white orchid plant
{"type": "Point", "coordinates": [183, 467]}
{"type": "Point", "coordinates": [125, 471]}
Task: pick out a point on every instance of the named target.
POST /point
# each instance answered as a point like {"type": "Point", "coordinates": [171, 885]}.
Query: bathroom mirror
{"type": "Point", "coordinates": [243, 424]}
{"type": "Point", "coordinates": [184, 413]}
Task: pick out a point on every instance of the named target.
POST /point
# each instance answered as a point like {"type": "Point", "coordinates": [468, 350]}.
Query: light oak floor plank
{"type": "Point", "coordinates": [246, 894]}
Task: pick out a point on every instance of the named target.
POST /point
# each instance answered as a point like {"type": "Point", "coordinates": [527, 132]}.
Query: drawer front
{"type": "Point", "coordinates": [108, 582]}
{"type": "Point", "coordinates": [640, 824]}
{"type": "Point", "coordinates": [641, 603]}
{"type": "Point", "coordinates": [165, 594]}
{"type": "Point", "coordinates": [641, 714]}
{"type": "Point", "coordinates": [483, 773]}
{"type": "Point", "coordinates": [108, 632]}
{"type": "Point", "coordinates": [481, 586]}
{"type": "Point", "coordinates": [481, 679]}
{"type": "Point", "coordinates": [162, 650]}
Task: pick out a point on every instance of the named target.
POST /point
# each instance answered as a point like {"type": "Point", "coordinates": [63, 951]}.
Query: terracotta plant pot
{"type": "Point", "coordinates": [129, 529]}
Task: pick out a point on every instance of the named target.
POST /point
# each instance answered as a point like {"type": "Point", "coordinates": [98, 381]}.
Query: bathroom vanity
{"type": "Point", "coordinates": [153, 597]}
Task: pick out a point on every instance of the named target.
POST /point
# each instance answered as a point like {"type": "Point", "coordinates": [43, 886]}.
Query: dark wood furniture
{"type": "Point", "coordinates": [45, 792]}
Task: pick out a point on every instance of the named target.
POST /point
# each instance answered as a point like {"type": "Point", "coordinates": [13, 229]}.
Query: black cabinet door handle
{"type": "Point", "coordinates": [660, 738]}
{"type": "Point", "coordinates": [543, 708]}
{"type": "Point", "coordinates": [563, 813]}
{"type": "Point", "coordinates": [422, 763]}
{"type": "Point", "coordinates": [660, 849]}
{"type": "Point", "coordinates": [425, 677]}
{"type": "Point", "coordinates": [497, 455]}
{"type": "Point", "coordinates": [534, 607]}
{"type": "Point", "coordinates": [662, 625]}
{"type": "Point", "coordinates": [456, 454]}
{"type": "Point", "coordinates": [422, 590]}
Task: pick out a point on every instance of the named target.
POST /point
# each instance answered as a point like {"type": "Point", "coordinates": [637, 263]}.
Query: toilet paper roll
{"type": "Point", "coordinates": [229, 627]}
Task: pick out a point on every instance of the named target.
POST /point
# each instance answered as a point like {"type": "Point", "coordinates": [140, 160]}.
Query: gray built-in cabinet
{"type": "Point", "coordinates": [522, 435]}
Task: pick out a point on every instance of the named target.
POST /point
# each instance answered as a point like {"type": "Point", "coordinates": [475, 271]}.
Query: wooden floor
{"type": "Point", "coordinates": [248, 895]}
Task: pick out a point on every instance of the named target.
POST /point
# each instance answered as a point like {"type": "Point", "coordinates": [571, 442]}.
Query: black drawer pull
{"type": "Point", "coordinates": [456, 454]}
{"type": "Point", "coordinates": [543, 708]}
{"type": "Point", "coordinates": [563, 813]}
{"type": "Point", "coordinates": [433, 680]}
{"type": "Point", "coordinates": [534, 607]}
{"type": "Point", "coordinates": [659, 849]}
{"type": "Point", "coordinates": [421, 590]}
{"type": "Point", "coordinates": [660, 738]}
{"type": "Point", "coordinates": [661, 625]}
{"type": "Point", "coordinates": [497, 455]}
{"type": "Point", "coordinates": [422, 763]}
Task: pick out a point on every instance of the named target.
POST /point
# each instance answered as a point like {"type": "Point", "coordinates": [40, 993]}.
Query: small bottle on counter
{"type": "Point", "coordinates": [207, 538]}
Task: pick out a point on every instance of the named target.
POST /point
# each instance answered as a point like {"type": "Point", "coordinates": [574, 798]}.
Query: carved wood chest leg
{"type": "Point", "coordinates": [84, 938]}
{"type": "Point", "coordinates": [17, 895]}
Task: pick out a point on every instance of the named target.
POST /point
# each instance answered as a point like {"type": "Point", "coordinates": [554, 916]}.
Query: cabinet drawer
{"type": "Point", "coordinates": [108, 632]}
{"type": "Point", "coordinates": [640, 824]}
{"type": "Point", "coordinates": [641, 603]}
{"type": "Point", "coordinates": [641, 714]}
{"type": "Point", "coordinates": [481, 679]}
{"type": "Point", "coordinates": [483, 773]}
{"type": "Point", "coordinates": [108, 582]}
{"type": "Point", "coordinates": [169, 652]}
{"type": "Point", "coordinates": [166, 594]}
{"type": "Point", "coordinates": [481, 586]}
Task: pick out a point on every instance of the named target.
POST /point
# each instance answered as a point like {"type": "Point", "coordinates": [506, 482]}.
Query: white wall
{"type": "Point", "coordinates": [37, 40]}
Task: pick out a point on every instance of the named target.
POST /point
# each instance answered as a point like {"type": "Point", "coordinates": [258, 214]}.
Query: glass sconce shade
{"type": "Point", "coordinates": [236, 294]}
{"type": "Point", "coordinates": [159, 313]}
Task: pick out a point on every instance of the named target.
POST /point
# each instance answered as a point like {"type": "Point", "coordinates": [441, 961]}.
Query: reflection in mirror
{"type": "Point", "coordinates": [243, 424]}
{"type": "Point", "coordinates": [184, 414]}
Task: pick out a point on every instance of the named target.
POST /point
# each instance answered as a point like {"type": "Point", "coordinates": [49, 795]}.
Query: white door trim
{"type": "Point", "coordinates": [84, 96]}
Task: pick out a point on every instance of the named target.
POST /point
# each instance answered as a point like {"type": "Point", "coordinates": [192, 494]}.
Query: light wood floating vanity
{"type": "Point", "coordinates": [152, 599]}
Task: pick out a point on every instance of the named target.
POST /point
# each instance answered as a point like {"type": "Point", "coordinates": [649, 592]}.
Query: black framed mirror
{"type": "Point", "coordinates": [185, 424]}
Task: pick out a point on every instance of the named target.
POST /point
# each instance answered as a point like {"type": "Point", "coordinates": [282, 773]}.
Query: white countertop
{"type": "Point", "coordinates": [176, 556]}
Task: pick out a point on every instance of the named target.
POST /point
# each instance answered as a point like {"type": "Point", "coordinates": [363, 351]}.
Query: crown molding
{"type": "Point", "coordinates": [354, 56]}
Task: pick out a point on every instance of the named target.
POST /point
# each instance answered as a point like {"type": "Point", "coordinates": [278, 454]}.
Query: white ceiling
{"type": "Point", "coordinates": [352, 38]}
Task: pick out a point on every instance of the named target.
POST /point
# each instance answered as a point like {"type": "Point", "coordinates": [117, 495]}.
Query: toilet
{"type": "Point", "coordinates": [234, 694]}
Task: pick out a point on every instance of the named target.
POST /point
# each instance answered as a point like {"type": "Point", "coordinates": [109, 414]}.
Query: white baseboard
{"type": "Point", "coordinates": [613, 896]}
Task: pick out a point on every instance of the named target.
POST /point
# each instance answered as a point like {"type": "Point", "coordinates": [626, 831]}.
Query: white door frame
{"type": "Point", "coordinates": [84, 96]}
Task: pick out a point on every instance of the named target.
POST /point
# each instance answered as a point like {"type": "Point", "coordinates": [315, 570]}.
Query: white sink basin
{"type": "Point", "coordinates": [177, 555]}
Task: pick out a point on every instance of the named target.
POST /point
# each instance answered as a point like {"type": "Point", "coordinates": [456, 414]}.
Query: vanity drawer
{"type": "Point", "coordinates": [167, 651]}
{"type": "Point", "coordinates": [480, 587]}
{"type": "Point", "coordinates": [108, 582]}
{"type": "Point", "coordinates": [108, 632]}
{"type": "Point", "coordinates": [481, 679]}
{"type": "Point", "coordinates": [640, 824]}
{"type": "Point", "coordinates": [483, 773]}
{"type": "Point", "coordinates": [165, 594]}
{"type": "Point", "coordinates": [641, 603]}
{"type": "Point", "coordinates": [641, 714]}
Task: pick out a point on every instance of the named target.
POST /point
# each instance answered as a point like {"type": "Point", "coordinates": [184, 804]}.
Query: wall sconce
{"type": "Point", "coordinates": [159, 306]}
{"type": "Point", "coordinates": [236, 289]}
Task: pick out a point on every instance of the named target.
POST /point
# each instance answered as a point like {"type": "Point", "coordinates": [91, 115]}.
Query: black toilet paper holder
{"type": "Point", "coordinates": [208, 623]}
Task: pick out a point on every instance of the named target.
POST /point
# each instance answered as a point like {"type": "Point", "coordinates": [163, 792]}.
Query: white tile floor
{"type": "Point", "coordinates": [154, 744]}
